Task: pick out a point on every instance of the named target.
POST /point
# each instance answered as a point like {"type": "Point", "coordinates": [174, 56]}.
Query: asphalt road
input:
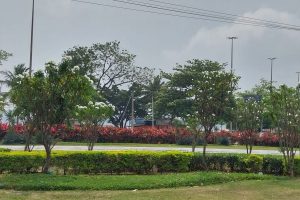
{"type": "Point", "coordinates": [107, 148]}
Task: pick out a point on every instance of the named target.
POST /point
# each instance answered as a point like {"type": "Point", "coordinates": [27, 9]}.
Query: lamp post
{"type": "Point", "coordinates": [231, 63]}
{"type": "Point", "coordinates": [271, 60]}
{"type": "Point", "coordinates": [31, 39]}
{"type": "Point", "coordinates": [298, 77]}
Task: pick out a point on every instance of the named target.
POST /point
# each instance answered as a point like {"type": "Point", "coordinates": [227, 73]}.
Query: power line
{"type": "Point", "coordinates": [208, 18]}
{"type": "Point", "coordinates": [223, 13]}
{"type": "Point", "coordinates": [182, 11]}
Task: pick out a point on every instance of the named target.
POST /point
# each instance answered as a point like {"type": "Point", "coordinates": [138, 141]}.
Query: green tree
{"type": "Point", "coordinates": [91, 117]}
{"type": "Point", "coordinates": [107, 65]}
{"type": "Point", "coordinates": [210, 88]}
{"type": "Point", "coordinates": [249, 111]}
{"type": "Point", "coordinates": [150, 92]}
{"type": "Point", "coordinates": [121, 99]}
{"type": "Point", "coordinates": [263, 90]}
{"type": "Point", "coordinates": [286, 117]}
{"type": "Point", "coordinates": [10, 76]}
{"type": "Point", "coordinates": [171, 101]}
{"type": "Point", "coordinates": [49, 97]}
{"type": "Point", "coordinates": [4, 56]}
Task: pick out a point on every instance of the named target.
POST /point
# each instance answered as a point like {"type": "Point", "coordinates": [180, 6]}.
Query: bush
{"type": "Point", "coordinates": [253, 163]}
{"type": "Point", "coordinates": [5, 150]}
{"type": "Point", "coordinates": [219, 162]}
{"type": "Point", "coordinates": [20, 162]}
{"type": "Point", "coordinates": [188, 141]}
{"type": "Point", "coordinates": [297, 166]}
{"type": "Point", "coordinates": [273, 165]}
{"type": "Point", "coordinates": [147, 135]}
{"type": "Point", "coordinates": [140, 162]}
{"type": "Point", "coordinates": [12, 138]}
{"type": "Point", "coordinates": [240, 163]}
{"type": "Point", "coordinates": [223, 141]}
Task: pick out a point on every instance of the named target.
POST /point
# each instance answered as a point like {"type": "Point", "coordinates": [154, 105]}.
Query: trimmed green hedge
{"type": "Point", "coordinates": [4, 150]}
{"type": "Point", "coordinates": [140, 162]}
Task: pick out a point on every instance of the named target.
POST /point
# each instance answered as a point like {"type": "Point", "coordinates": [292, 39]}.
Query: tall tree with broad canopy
{"type": "Point", "coordinates": [263, 89]}
{"type": "Point", "coordinates": [121, 99]}
{"type": "Point", "coordinates": [107, 65]}
{"type": "Point", "coordinates": [286, 117]}
{"type": "Point", "coordinates": [112, 69]}
{"type": "Point", "coordinates": [249, 111]}
{"type": "Point", "coordinates": [172, 102]}
{"type": "Point", "coordinates": [210, 89]}
{"type": "Point", "coordinates": [50, 97]}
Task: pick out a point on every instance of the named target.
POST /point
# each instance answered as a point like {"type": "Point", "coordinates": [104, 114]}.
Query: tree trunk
{"type": "Point", "coordinates": [28, 142]}
{"type": "Point", "coordinates": [247, 148]}
{"type": "Point", "coordinates": [48, 159]}
{"type": "Point", "coordinates": [250, 149]}
{"type": "Point", "coordinates": [204, 150]}
{"type": "Point", "coordinates": [93, 137]}
{"type": "Point", "coordinates": [90, 146]}
{"type": "Point", "coordinates": [194, 142]}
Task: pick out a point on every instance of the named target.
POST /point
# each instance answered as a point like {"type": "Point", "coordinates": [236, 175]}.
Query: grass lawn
{"type": "Point", "coordinates": [214, 146]}
{"type": "Point", "coordinates": [287, 189]}
{"type": "Point", "coordinates": [121, 182]}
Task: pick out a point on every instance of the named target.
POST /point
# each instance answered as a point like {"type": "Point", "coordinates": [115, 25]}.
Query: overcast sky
{"type": "Point", "coordinates": [158, 41]}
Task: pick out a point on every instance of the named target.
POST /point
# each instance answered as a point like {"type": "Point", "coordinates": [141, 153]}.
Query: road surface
{"type": "Point", "coordinates": [107, 148]}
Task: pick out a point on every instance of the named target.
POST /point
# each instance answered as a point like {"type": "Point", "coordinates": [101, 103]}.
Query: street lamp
{"type": "Point", "coordinates": [272, 59]}
{"type": "Point", "coordinates": [231, 64]}
{"type": "Point", "coordinates": [31, 39]}
{"type": "Point", "coordinates": [298, 77]}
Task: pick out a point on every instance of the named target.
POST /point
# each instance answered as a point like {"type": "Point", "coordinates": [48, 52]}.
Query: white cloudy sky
{"type": "Point", "coordinates": [158, 41]}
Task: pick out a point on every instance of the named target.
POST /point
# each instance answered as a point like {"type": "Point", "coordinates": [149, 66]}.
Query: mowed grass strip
{"type": "Point", "coordinates": [120, 182]}
{"type": "Point", "coordinates": [288, 189]}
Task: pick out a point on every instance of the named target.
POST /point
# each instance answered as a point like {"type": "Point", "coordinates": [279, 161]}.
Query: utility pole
{"type": "Point", "coordinates": [298, 77]}
{"type": "Point", "coordinates": [272, 59]}
{"type": "Point", "coordinates": [31, 41]}
{"type": "Point", "coordinates": [132, 111]}
{"type": "Point", "coordinates": [152, 111]}
{"type": "Point", "coordinates": [231, 63]}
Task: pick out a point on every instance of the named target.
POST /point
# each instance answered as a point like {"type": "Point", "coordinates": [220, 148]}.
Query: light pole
{"type": "Point", "coordinates": [132, 110]}
{"type": "Point", "coordinates": [272, 59]}
{"type": "Point", "coordinates": [31, 39]}
{"type": "Point", "coordinates": [298, 77]}
{"type": "Point", "coordinates": [152, 110]}
{"type": "Point", "coordinates": [231, 63]}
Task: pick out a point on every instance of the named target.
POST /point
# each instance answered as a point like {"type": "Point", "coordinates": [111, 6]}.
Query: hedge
{"type": "Point", "coordinates": [147, 135]}
{"type": "Point", "coordinates": [140, 162]}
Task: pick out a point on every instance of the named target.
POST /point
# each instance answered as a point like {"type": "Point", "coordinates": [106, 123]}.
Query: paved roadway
{"type": "Point", "coordinates": [106, 148]}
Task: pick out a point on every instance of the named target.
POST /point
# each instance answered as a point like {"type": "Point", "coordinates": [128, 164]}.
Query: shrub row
{"type": "Point", "coordinates": [146, 135]}
{"type": "Point", "coordinates": [141, 162]}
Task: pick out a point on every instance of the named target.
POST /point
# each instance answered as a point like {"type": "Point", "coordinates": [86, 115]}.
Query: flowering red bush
{"type": "Point", "coordinates": [137, 135]}
{"type": "Point", "coordinates": [3, 129]}
{"type": "Point", "coordinates": [263, 139]}
{"type": "Point", "coordinates": [268, 139]}
{"type": "Point", "coordinates": [147, 135]}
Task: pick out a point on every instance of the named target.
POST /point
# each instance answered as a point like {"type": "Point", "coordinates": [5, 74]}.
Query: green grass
{"type": "Point", "coordinates": [214, 146]}
{"type": "Point", "coordinates": [288, 189]}
{"type": "Point", "coordinates": [121, 182]}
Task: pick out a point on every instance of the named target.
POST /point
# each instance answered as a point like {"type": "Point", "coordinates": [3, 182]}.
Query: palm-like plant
{"type": "Point", "coordinates": [9, 76]}
{"type": "Point", "coordinates": [151, 90]}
